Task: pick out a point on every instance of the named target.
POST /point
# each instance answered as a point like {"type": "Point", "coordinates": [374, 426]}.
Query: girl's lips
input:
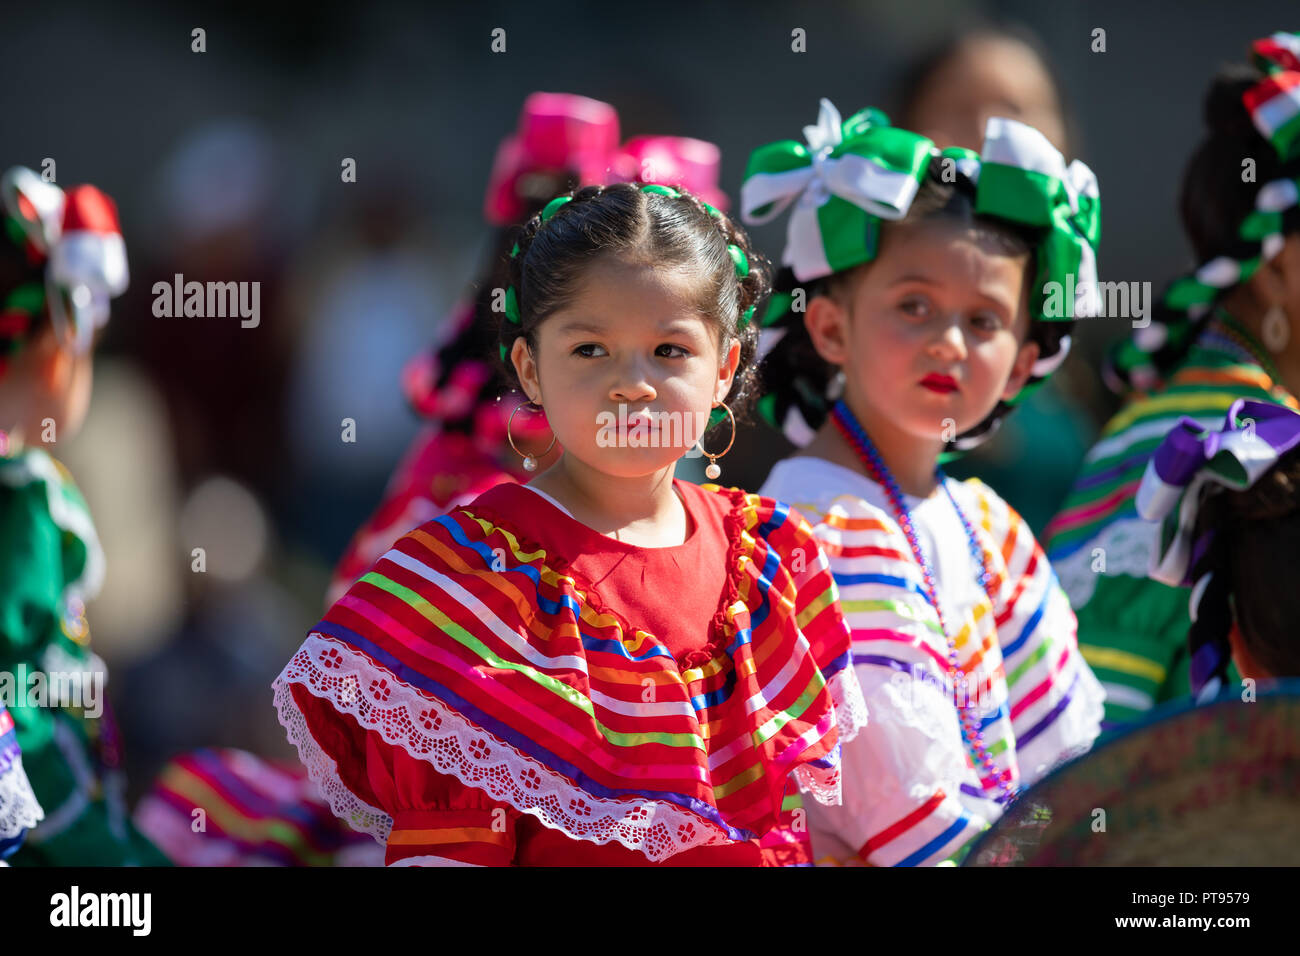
{"type": "Point", "coordinates": [642, 421]}
{"type": "Point", "coordinates": [940, 383]}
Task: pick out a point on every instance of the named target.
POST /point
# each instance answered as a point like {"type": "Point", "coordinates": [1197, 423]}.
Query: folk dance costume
{"type": "Point", "coordinates": [1133, 628]}
{"type": "Point", "coordinates": [913, 793]}
{"type": "Point", "coordinates": [963, 641]}
{"type": "Point", "coordinates": [506, 685]}
{"type": "Point", "coordinates": [50, 565]}
{"type": "Point", "coordinates": [461, 453]}
{"type": "Point", "coordinates": [51, 562]}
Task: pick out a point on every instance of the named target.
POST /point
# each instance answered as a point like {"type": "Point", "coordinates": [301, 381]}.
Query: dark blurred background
{"type": "Point", "coordinates": [226, 166]}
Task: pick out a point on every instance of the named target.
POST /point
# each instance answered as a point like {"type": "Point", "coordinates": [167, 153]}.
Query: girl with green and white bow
{"type": "Point", "coordinates": [926, 292]}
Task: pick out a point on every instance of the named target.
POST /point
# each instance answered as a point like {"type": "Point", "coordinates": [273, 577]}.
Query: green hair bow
{"type": "Point", "coordinates": [846, 179]}
{"type": "Point", "coordinates": [853, 174]}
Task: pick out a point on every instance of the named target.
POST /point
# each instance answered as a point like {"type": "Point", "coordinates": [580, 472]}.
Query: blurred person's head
{"type": "Point", "coordinates": [1228, 503]}
{"type": "Point", "coordinates": [61, 259]}
{"type": "Point", "coordinates": [218, 200]}
{"type": "Point", "coordinates": [1214, 201]}
{"type": "Point", "coordinates": [1258, 535]}
{"type": "Point", "coordinates": [1238, 205]}
{"type": "Point", "coordinates": [950, 92]}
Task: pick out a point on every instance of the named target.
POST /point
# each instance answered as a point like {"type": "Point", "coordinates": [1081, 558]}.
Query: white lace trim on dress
{"type": "Point", "coordinates": [1122, 547]}
{"type": "Point", "coordinates": [428, 730]}
{"type": "Point", "coordinates": [19, 809]}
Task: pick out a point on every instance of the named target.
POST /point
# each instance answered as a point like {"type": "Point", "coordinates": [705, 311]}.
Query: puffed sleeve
{"type": "Point", "coordinates": [818, 614]}
{"type": "Point", "coordinates": [902, 777]}
{"type": "Point", "coordinates": [902, 773]}
{"type": "Point", "coordinates": [1055, 701]}
{"type": "Point", "coordinates": [424, 818]}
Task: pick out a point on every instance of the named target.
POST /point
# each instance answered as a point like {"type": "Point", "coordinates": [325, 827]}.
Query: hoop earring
{"type": "Point", "coordinates": [1275, 330]}
{"type": "Point", "coordinates": [713, 471]}
{"type": "Point", "coordinates": [530, 463]}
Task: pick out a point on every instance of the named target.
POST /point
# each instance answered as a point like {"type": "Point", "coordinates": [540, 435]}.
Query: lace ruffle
{"type": "Point", "coordinates": [825, 783]}
{"type": "Point", "coordinates": [428, 730]}
{"type": "Point", "coordinates": [1126, 547]}
{"type": "Point", "coordinates": [19, 809]}
{"type": "Point", "coordinates": [851, 710]}
{"type": "Point", "coordinates": [941, 761]}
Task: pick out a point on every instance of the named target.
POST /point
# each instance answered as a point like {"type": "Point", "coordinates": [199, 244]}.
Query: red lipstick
{"type": "Point", "coordinates": [944, 384]}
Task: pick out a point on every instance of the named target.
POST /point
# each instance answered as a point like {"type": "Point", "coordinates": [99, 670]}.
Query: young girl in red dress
{"type": "Point", "coordinates": [606, 665]}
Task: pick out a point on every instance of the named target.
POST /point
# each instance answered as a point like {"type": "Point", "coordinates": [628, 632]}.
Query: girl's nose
{"type": "Point", "coordinates": [632, 384]}
{"type": "Point", "coordinates": [949, 342]}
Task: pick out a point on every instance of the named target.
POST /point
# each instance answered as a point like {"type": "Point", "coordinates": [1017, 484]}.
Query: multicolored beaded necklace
{"type": "Point", "coordinates": [878, 471]}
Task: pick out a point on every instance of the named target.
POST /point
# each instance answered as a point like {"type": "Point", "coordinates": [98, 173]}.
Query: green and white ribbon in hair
{"type": "Point", "coordinates": [849, 176]}
{"type": "Point", "coordinates": [1021, 177]}
{"type": "Point", "coordinates": [1274, 108]}
{"type": "Point", "coordinates": [852, 175]}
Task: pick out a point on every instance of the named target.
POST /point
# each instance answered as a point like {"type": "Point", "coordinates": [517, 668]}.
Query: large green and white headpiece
{"type": "Point", "coordinates": [850, 176]}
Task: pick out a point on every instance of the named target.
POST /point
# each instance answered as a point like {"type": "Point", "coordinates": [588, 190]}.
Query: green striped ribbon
{"type": "Point", "coordinates": [842, 182]}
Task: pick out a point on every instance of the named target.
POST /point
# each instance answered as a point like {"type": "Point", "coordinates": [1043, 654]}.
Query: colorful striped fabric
{"type": "Point", "coordinates": [220, 807]}
{"type": "Point", "coordinates": [911, 794]}
{"type": "Point", "coordinates": [476, 649]}
{"type": "Point", "coordinates": [442, 470]}
{"type": "Point", "coordinates": [1132, 630]}
{"type": "Point", "coordinates": [19, 810]}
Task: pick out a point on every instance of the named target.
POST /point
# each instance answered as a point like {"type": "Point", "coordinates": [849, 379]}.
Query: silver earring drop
{"type": "Point", "coordinates": [1275, 329]}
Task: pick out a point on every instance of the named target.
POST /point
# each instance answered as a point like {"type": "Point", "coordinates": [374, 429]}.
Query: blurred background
{"type": "Point", "coordinates": [225, 165]}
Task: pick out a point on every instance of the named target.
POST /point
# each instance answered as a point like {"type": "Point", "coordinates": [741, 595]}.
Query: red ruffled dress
{"type": "Point", "coordinates": [482, 697]}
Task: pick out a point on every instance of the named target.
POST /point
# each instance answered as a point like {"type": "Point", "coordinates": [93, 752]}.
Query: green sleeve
{"type": "Point", "coordinates": [84, 824]}
{"type": "Point", "coordinates": [31, 572]}
{"type": "Point", "coordinates": [1133, 634]}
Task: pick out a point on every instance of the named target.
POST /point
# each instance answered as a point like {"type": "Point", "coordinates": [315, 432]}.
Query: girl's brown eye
{"type": "Point", "coordinates": [684, 352]}
{"type": "Point", "coordinates": [916, 307]}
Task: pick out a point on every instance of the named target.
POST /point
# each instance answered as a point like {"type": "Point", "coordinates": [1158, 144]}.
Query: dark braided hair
{"type": "Point", "coordinates": [1213, 202]}
{"type": "Point", "coordinates": [796, 377]}
{"type": "Point", "coordinates": [1255, 554]}
{"type": "Point", "coordinates": [649, 222]}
